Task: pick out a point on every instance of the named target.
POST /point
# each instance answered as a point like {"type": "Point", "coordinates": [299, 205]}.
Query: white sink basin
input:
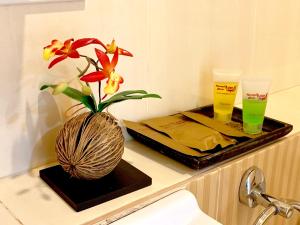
{"type": "Point", "coordinates": [179, 208]}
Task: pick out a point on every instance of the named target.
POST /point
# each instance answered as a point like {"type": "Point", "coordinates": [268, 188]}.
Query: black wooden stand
{"type": "Point", "coordinates": [82, 194]}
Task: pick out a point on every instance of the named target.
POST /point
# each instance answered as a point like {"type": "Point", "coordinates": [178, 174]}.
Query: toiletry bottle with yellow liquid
{"type": "Point", "coordinates": [225, 89]}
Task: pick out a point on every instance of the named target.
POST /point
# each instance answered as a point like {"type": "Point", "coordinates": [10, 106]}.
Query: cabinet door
{"type": "Point", "coordinates": [217, 192]}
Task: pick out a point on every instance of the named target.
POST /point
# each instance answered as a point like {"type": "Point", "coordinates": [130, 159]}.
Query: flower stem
{"type": "Point", "coordinates": [99, 89]}
{"type": "Point", "coordinates": [89, 60]}
{"type": "Point", "coordinates": [92, 95]}
{"type": "Point", "coordinates": [92, 61]}
{"type": "Point", "coordinates": [82, 72]}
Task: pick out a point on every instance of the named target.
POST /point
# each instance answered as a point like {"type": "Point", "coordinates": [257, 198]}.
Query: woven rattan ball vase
{"type": "Point", "coordinates": [90, 146]}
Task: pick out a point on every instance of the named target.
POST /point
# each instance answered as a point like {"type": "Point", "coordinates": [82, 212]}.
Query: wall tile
{"type": "Point", "coordinates": [232, 28]}
{"type": "Point", "coordinates": [276, 42]}
{"type": "Point", "coordinates": [179, 45]}
{"type": "Point", "coordinates": [175, 46]}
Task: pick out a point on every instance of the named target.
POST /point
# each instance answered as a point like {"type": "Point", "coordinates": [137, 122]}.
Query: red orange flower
{"type": "Point", "coordinates": [108, 72]}
{"type": "Point", "coordinates": [67, 49]}
{"type": "Point", "coordinates": [107, 65]}
{"type": "Point", "coordinates": [104, 69]}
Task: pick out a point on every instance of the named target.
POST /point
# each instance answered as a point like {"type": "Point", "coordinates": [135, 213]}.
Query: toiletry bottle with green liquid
{"type": "Point", "coordinates": [255, 96]}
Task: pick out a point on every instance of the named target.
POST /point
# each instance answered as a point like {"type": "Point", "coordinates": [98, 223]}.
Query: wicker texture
{"type": "Point", "coordinates": [90, 146]}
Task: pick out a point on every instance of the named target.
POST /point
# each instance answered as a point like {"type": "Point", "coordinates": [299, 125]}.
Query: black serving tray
{"type": "Point", "coordinates": [273, 129]}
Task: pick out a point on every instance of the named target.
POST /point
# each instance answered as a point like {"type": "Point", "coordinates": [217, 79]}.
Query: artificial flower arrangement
{"type": "Point", "coordinates": [104, 69]}
{"type": "Point", "coordinates": [91, 144]}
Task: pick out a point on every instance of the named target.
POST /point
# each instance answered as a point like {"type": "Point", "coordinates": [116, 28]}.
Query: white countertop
{"type": "Point", "coordinates": [34, 203]}
{"type": "Point", "coordinates": [284, 106]}
{"type": "Point", "coordinates": [27, 200]}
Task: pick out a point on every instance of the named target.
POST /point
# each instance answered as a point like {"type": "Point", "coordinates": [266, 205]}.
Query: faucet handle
{"type": "Point", "coordinates": [253, 181]}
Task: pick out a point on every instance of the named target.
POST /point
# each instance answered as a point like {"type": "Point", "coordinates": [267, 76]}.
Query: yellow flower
{"type": "Point", "coordinates": [113, 83]}
{"type": "Point", "coordinates": [49, 51]}
{"type": "Point", "coordinates": [112, 47]}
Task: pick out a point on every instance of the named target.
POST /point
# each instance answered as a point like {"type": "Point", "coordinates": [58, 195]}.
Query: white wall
{"type": "Point", "coordinates": [175, 44]}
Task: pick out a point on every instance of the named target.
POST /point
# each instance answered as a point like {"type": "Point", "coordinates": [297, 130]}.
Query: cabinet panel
{"type": "Point", "coordinates": [206, 190]}
{"type": "Point", "coordinates": [280, 163]}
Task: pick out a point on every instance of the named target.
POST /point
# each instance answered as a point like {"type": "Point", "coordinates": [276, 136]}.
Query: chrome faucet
{"type": "Point", "coordinates": [252, 193]}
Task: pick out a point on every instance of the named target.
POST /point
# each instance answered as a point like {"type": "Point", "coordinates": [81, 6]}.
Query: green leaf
{"type": "Point", "coordinates": [79, 96]}
{"type": "Point", "coordinates": [126, 95]}
{"type": "Point", "coordinates": [130, 92]}
{"type": "Point", "coordinates": [46, 86]}
{"type": "Point", "coordinates": [76, 95]}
